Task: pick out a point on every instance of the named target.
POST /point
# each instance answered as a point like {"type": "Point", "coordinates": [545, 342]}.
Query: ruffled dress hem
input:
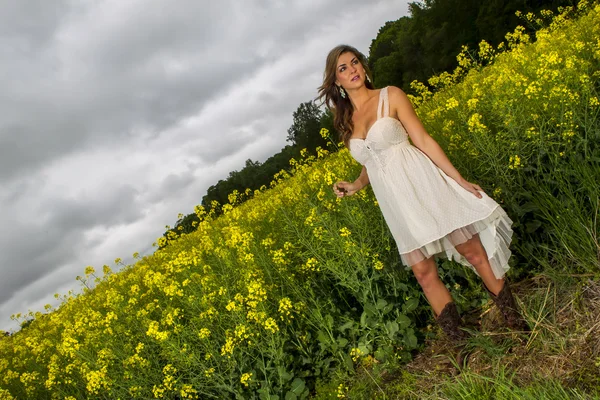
{"type": "Point", "coordinates": [494, 232]}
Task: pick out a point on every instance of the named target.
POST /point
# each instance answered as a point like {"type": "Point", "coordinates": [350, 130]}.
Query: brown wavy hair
{"type": "Point", "coordinates": [329, 93]}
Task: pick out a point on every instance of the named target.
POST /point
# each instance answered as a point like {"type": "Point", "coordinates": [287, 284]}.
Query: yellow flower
{"type": "Point", "coordinates": [268, 242]}
{"type": "Point", "coordinates": [486, 51]}
{"type": "Point", "coordinates": [318, 232]}
{"type": "Point", "coordinates": [377, 264]}
{"type": "Point", "coordinates": [451, 103]}
{"type": "Point", "coordinates": [472, 103]}
{"type": "Point", "coordinates": [271, 325]}
{"type": "Point", "coordinates": [355, 353]}
{"type": "Point", "coordinates": [568, 134]}
{"type": "Point", "coordinates": [106, 270]}
{"type": "Point", "coordinates": [245, 379]}
{"type": "Point", "coordinates": [97, 380]}
{"type": "Point", "coordinates": [278, 256]}
{"type": "Point", "coordinates": [204, 333]}
{"type": "Point", "coordinates": [345, 232]}
{"type": "Point", "coordinates": [310, 265]}
{"type": "Point", "coordinates": [187, 391]}
{"type": "Point", "coordinates": [155, 333]}
{"type": "Point", "coordinates": [231, 306]}
{"type": "Point", "coordinates": [341, 390]}
{"type": "Point", "coordinates": [285, 305]}
{"type": "Point", "coordinates": [228, 347]}
{"type": "Point", "coordinates": [475, 124]}
{"type": "Point", "coordinates": [514, 162]}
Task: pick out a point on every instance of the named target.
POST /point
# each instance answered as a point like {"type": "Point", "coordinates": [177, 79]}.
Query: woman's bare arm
{"type": "Point", "coordinates": [363, 179]}
{"type": "Point", "coordinates": [344, 188]}
{"type": "Point", "coordinates": [418, 135]}
{"type": "Point", "coordinates": [422, 140]}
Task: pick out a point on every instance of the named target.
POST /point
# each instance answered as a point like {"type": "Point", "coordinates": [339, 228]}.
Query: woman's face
{"type": "Point", "coordinates": [349, 72]}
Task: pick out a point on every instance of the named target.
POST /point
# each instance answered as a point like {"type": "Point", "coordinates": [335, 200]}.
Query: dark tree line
{"type": "Point", "coordinates": [414, 47]}
{"type": "Point", "coordinates": [427, 42]}
{"type": "Point", "coordinates": [304, 133]}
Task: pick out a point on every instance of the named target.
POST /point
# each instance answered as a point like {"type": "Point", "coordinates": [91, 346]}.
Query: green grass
{"type": "Point", "coordinates": [559, 359]}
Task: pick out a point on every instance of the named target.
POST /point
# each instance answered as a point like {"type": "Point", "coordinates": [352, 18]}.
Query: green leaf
{"type": "Point", "coordinates": [380, 304]}
{"type": "Point", "coordinates": [363, 319]}
{"type": "Point", "coordinates": [283, 374]}
{"type": "Point", "coordinates": [364, 349]}
{"type": "Point", "coordinates": [411, 304]}
{"type": "Point", "coordinates": [348, 361]}
{"type": "Point", "coordinates": [387, 309]}
{"type": "Point", "coordinates": [403, 321]}
{"type": "Point", "coordinates": [380, 354]}
{"type": "Point", "coordinates": [410, 339]}
{"type": "Point", "coordinates": [392, 328]}
{"type": "Point", "coordinates": [291, 396]}
{"type": "Point", "coordinates": [370, 309]}
{"type": "Point", "coordinates": [298, 386]}
{"type": "Point", "coordinates": [329, 321]}
{"type": "Point", "coordinates": [264, 394]}
{"type": "Point", "coordinates": [342, 341]}
{"type": "Point", "coordinates": [347, 325]}
{"type": "Point", "coordinates": [323, 337]}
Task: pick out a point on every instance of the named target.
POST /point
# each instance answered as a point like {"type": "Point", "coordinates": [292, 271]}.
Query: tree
{"type": "Point", "coordinates": [304, 132]}
{"type": "Point", "coordinates": [426, 43]}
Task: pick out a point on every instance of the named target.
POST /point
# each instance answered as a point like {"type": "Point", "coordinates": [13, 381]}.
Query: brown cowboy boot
{"type": "Point", "coordinates": [508, 307]}
{"type": "Point", "coordinates": [450, 322]}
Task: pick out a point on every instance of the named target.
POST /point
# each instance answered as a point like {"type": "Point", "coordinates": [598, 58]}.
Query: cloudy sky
{"type": "Point", "coordinates": [117, 115]}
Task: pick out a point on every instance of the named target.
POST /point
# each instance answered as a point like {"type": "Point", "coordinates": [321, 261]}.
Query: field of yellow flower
{"type": "Point", "coordinates": [293, 283]}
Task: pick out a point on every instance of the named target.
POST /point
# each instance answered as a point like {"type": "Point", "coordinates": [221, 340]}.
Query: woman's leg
{"type": "Point", "coordinates": [446, 312]}
{"type": "Point", "coordinates": [436, 293]}
{"type": "Point", "coordinates": [475, 253]}
{"type": "Point", "coordinates": [500, 291]}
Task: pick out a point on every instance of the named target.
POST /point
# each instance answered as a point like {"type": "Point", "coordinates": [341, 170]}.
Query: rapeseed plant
{"type": "Point", "coordinates": [294, 282]}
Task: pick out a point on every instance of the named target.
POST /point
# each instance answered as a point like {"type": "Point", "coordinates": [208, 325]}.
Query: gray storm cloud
{"type": "Point", "coordinates": [115, 116]}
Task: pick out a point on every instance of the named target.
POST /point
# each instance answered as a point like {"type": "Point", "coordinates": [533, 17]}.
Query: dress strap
{"type": "Point", "coordinates": [383, 101]}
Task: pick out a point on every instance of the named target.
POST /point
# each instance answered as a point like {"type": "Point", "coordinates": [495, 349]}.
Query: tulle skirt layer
{"type": "Point", "coordinates": [494, 231]}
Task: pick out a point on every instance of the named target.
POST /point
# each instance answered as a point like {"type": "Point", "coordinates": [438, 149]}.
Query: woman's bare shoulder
{"type": "Point", "coordinates": [395, 91]}
{"type": "Point", "coordinates": [399, 101]}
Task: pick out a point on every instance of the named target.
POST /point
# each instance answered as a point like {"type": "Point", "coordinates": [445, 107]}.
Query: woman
{"type": "Point", "coordinates": [431, 210]}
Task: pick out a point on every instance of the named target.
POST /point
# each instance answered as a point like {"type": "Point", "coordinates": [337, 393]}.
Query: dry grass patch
{"type": "Point", "coordinates": [564, 343]}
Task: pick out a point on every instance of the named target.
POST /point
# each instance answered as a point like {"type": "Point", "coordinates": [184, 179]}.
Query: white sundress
{"type": "Point", "coordinates": [427, 212]}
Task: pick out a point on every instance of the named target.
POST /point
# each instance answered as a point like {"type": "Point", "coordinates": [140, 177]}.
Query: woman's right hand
{"type": "Point", "coordinates": [343, 188]}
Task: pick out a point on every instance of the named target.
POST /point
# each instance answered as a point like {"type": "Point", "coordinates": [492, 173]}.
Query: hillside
{"type": "Point", "coordinates": [294, 291]}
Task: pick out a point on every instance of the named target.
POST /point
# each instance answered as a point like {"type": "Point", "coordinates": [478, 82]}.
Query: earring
{"type": "Point", "coordinates": [368, 79]}
{"type": "Point", "coordinates": [342, 92]}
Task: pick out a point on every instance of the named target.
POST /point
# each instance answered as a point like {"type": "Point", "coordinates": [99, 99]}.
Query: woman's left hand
{"type": "Point", "coordinates": [471, 187]}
